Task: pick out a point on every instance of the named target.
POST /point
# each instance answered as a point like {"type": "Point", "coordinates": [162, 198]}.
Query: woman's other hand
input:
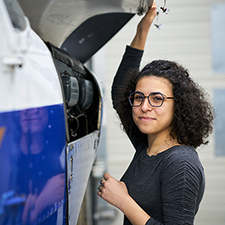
{"type": "Point", "coordinates": [143, 28]}
{"type": "Point", "coordinates": [113, 191]}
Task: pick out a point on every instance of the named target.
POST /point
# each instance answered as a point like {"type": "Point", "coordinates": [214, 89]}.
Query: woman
{"type": "Point", "coordinates": [166, 117]}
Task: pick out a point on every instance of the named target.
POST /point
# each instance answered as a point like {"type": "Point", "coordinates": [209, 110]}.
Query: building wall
{"type": "Point", "coordinates": [185, 37]}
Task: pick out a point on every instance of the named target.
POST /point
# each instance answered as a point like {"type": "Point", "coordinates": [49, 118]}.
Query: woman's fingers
{"type": "Point", "coordinates": [106, 176]}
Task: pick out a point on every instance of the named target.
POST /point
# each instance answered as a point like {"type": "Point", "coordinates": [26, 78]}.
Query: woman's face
{"type": "Point", "coordinates": [154, 120]}
{"type": "Point", "coordinates": [34, 120]}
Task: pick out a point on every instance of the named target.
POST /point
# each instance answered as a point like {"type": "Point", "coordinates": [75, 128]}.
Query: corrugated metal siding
{"type": "Point", "coordinates": [185, 38]}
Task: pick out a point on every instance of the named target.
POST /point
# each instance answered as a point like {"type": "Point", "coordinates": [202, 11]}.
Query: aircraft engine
{"type": "Point", "coordinates": [81, 94]}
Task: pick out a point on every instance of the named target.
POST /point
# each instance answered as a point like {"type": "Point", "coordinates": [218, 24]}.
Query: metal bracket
{"type": "Point", "coordinates": [13, 61]}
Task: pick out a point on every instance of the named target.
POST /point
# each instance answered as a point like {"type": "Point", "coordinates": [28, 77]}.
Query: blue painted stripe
{"type": "Point", "coordinates": [32, 164]}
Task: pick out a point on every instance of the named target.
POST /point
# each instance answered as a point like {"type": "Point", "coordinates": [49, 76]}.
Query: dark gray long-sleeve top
{"type": "Point", "coordinates": [168, 186]}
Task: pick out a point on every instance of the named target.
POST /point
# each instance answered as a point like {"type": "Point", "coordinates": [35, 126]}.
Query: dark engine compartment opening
{"type": "Point", "coordinates": [82, 99]}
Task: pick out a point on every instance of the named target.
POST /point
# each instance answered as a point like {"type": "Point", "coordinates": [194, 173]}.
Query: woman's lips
{"type": "Point", "coordinates": [146, 118]}
{"type": "Point", "coordinates": [32, 120]}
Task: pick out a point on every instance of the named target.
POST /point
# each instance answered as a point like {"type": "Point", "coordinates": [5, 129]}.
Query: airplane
{"type": "Point", "coordinates": [51, 104]}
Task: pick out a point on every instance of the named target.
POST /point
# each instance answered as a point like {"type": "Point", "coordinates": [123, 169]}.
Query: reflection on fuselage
{"type": "Point", "coordinates": [41, 176]}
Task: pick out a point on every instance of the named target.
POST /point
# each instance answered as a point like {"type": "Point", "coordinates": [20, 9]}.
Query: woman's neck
{"type": "Point", "coordinates": [35, 146]}
{"type": "Point", "coordinates": [157, 144]}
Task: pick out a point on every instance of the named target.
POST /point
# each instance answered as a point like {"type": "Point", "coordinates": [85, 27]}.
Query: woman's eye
{"type": "Point", "coordinates": [138, 98]}
{"type": "Point", "coordinates": [157, 98]}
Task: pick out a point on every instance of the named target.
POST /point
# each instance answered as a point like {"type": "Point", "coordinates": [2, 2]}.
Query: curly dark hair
{"type": "Point", "coordinates": [193, 114]}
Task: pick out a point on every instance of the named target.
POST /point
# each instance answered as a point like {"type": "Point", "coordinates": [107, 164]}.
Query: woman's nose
{"type": "Point", "coordinates": [146, 105]}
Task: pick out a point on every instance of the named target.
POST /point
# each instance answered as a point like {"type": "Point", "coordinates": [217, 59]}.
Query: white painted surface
{"type": "Point", "coordinates": [54, 20]}
{"type": "Point", "coordinates": [80, 157]}
{"type": "Point", "coordinates": [28, 76]}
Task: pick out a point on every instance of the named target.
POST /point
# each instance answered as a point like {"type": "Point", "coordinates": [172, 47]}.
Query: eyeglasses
{"type": "Point", "coordinates": [155, 99]}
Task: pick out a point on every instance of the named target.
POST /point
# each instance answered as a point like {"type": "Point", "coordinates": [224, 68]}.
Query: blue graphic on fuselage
{"type": "Point", "coordinates": [32, 165]}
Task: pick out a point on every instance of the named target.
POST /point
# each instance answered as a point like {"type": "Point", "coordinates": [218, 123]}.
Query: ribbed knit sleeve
{"type": "Point", "coordinates": [130, 61]}
{"type": "Point", "coordinates": [182, 186]}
